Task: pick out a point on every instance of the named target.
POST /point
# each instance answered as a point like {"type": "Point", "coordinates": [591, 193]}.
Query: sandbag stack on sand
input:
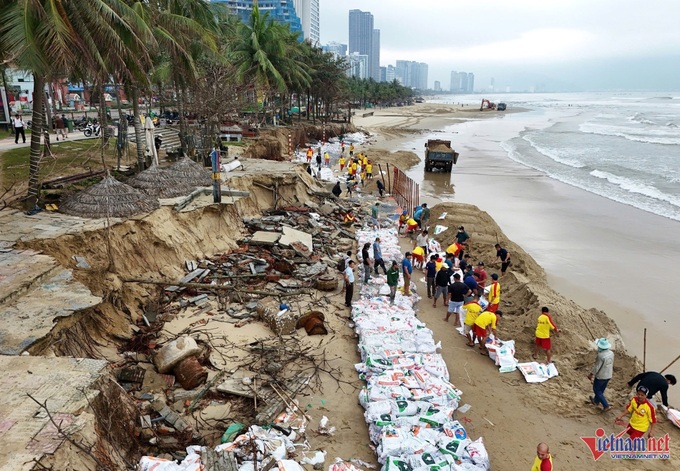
{"type": "Point", "coordinates": [408, 400]}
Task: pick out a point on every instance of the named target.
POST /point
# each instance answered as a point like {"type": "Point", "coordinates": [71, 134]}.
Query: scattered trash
{"type": "Point", "coordinates": [324, 427]}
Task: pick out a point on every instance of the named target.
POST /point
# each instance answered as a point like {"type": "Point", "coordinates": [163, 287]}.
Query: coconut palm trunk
{"type": "Point", "coordinates": [138, 130]}
{"type": "Point", "coordinates": [36, 133]}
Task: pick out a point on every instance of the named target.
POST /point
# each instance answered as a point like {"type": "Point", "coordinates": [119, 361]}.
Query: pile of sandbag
{"type": "Point", "coordinates": [408, 400]}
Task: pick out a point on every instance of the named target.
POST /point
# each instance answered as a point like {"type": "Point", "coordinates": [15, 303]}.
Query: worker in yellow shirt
{"type": "Point", "coordinates": [411, 226]}
{"type": "Point", "coordinates": [543, 460]}
{"type": "Point", "coordinates": [364, 160]}
{"type": "Point", "coordinates": [327, 159]}
{"type": "Point", "coordinates": [369, 169]}
{"type": "Point", "coordinates": [402, 220]}
{"type": "Point", "coordinates": [494, 294]}
{"type": "Point", "coordinates": [342, 162]}
{"type": "Point", "coordinates": [643, 415]}
{"type": "Point", "coordinates": [349, 219]}
{"type": "Point", "coordinates": [472, 311]}
{"type": "Point", "coordinates": [354, 168]}
{"type": "Point", "coordinates": [544, 326]}
{"type": "Point", "coordinates": [418, 255]}
{"type": "Point", "coordinates": [351, 150]}
{"type": "Point", "coordinates": [485, 324]}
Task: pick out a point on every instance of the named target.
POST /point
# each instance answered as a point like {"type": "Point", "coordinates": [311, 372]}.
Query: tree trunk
{"type": "Point", "coordinates": [138, 130]}
{"type": "Point", "coordinates": [183, 132]}
{"type": "Point", "coordinates": [36, 133]}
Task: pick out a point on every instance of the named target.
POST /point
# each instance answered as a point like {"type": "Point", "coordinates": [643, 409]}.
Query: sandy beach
{"type": "Point", "coordinates": [586, 250]}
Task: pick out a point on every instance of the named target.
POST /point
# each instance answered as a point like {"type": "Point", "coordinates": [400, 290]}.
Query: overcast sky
{"type": "Point", "coordinates": [579, 44]}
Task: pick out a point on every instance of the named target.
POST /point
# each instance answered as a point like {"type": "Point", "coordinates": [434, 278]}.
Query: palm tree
{"type": "Point", "coordinates": [267, 55]}
{"type": "Point", "coordinates": [52, 38]}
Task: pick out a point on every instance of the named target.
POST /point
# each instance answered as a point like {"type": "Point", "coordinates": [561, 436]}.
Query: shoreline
{"type": "Point", "coordinates": [543, 224]}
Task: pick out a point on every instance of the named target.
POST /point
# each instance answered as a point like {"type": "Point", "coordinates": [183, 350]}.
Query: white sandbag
{"type": "Point", "coordinates": [174, 352]}
{"type": "Point", "coordinates": [535, 372]}
{"type": "Point", "coordinates": [454, 447]}
{"type": "Point", "coordinates": [674, 416]}
{"type": "Point", "coordinates": [289, 465]}
{"type": "Point", "coordinates": [478, 453]}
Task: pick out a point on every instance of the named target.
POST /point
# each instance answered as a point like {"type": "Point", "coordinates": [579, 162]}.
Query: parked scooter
{"type": "Point", "coordinates": [92, 128]}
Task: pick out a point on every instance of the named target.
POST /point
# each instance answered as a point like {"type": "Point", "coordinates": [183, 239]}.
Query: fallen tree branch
{"type": "Point", "coordinates": [209, 287]}
{"type": "Point", "coordinates": [61, 432]}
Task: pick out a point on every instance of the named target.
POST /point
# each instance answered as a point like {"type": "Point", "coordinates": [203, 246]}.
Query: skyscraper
{"type": "Point", "coordinates": [301, 15]}
{"type": "Point", "coordinates": [462, 82]}
{"type": "Point", "coordinates": [337, 49]}
{"type": "Point", "coordinates": [308, 11]}
{"type": "Point", "coordinates": [358, 65]}
{"type": "Point", "coordinates": [412, 74]}
{"type": "Point", "coordinates": [361, 34]}
{"type": "Point", "coordinates": [471, 83]}
{"type": "Point", "coordinates": [375, 56]}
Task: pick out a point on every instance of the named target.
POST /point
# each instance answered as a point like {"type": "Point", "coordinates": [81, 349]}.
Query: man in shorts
{"type": "Point", "coordinates": [457, 292]}
{"type": "Point", "coordinates": [642, 417]}
{"type": "Point", "coordinates": [472, 310]}
{"type": "Point", "coordinates": [494, 294]}
{"type": "Point", "coordinates": [441, 282]}
{"type": "Point", "coordinates": [544, 326]}
{"type": "Point", "coordinates": [485, 324]}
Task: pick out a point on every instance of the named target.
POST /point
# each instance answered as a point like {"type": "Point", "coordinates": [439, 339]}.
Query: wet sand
{"type": "Point", "coordinates": [598, 252]}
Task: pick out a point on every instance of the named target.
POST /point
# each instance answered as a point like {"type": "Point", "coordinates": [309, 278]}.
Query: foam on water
{"type": "Point", "coordinates": [635, 186]}
{"type": "Point", "coordinates": [564, 156]}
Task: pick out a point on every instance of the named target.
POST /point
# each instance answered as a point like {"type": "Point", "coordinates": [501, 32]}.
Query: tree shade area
{"type": "Point", "coordinates": [189, 56]}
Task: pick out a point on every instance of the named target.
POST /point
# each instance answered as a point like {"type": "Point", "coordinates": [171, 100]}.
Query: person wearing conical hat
{"type": "Point", "coordinates": [602, 372]}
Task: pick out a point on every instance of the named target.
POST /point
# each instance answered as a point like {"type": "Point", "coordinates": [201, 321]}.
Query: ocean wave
{"type": "Point", "coordinates": [660, 136]}
{"type": "Point", "coordinates": [561, 156]}
{"type": "Point", "coordinates": [635, 186]}
{"type": "Point", "coordinates": [639, 118]}
{"type": "Point", "coordinates": [661, 208]}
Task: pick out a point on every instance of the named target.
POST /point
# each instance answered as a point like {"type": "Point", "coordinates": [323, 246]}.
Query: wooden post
{"type": "Point", "coordinates": [644, 350]}
{"type": "Point", "coordinates": [290, 144]}
{"type": "Point", "coordinates": [670, 364]}
{"type": "Point", "coordinates": [389, 178]}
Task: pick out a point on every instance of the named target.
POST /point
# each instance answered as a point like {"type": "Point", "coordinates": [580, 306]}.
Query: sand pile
{"type": "Point", "coordinates": [524, 291]}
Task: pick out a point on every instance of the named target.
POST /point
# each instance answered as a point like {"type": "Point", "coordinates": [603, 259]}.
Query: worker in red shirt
{"type": "Point", "coordinates": [479, 269]}
{"type": "Point", "coordinates": [543, 460]}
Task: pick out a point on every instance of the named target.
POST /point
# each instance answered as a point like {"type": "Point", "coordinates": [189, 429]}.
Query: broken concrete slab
{"type": "Point", "coordinates": [31, 316]}
{"type": "Point", "coordinates": [265, 238]}
{"type": "Point", "coordinates": [25, 431]}
{"type": "Point", "coordinates": [290, 236]}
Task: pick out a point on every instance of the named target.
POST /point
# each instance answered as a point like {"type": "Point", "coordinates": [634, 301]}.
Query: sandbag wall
{"type": "Point", "coordinates": [408, 400]}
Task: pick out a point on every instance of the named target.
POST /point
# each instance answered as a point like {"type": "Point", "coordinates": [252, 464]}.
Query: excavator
{"type": "Point", "coordinates": [489, 105]}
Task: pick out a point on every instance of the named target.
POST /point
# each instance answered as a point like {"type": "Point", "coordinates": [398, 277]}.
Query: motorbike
{"type": "Point", "coordinates": [92, 128]}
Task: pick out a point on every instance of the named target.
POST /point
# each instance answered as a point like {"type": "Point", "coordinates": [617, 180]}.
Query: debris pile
{"type": "Point", "coordinates": [408, 399]}
{"type": "Point", "coordinates": [230, 333]}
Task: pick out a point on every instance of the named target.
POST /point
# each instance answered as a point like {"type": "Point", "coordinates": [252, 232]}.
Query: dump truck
{"type": "Point", "coordinates": [439, 154]}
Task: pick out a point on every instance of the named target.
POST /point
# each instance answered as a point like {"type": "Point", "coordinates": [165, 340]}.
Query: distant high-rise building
{"type": "Point", "coordinates": [337, 49]}
{"type": "Point", "coordinates": [301, 15]}
{"type": "Point", "coordinates": [412, 74]}
{"type": "Point", "coordinates": [390, 73]}
{"type": "Point", "coordinates": [492, 84]}
{"type": "Point", "coordinates": [462, 82]}
{"type": "Point", "coordinates": [358, 65]}
{"type": "Point", "coordinates": [375, 56]}
{"type": "Point", "coordinates": [309, 13]}
{"type": "Point", "coordinates": [437, 86]}
{"type": "Point", "coordinates": [361, 36]}
{"type": "Point", "coordinates": [383, 74]}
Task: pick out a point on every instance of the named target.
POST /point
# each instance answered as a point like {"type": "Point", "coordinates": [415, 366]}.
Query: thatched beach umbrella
{"type": "Point", "coordinates": [109, 198]}
{"type": "Point", "coordinates": [188, 171]}
{"type": "Point", "coordinates": [158, 182]}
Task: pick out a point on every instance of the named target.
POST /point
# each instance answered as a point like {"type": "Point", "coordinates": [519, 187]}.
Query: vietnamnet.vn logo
{"type": "Point", "coordinates": [623, 447]}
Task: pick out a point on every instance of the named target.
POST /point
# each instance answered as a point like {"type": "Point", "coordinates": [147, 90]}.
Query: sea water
{"type": "Point", "coordinates": [623, 146]}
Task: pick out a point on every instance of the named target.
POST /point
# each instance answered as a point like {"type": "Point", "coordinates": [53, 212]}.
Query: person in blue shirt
{"type": "Point", "coordinates": [471, 282]}
{"type": "Point", "coordinates": [417, 213]}
{"type": "Point", "coordinates": [430, 274]}
{"type": "Point", "coordinates": [407, 270]}
{"type": "Point", "coordinates": [377, 256]}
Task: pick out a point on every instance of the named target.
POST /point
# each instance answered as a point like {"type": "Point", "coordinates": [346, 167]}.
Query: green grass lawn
{"type": "Point", "coordinates": [71, 157]}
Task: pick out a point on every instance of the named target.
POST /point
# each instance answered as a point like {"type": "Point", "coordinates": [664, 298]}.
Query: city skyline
{"type": "Point", "coordinates": [560, 46]}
